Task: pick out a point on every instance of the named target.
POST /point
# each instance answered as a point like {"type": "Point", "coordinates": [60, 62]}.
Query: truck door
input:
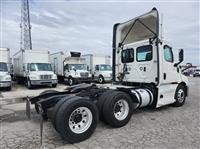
{"type": "Point", "coordinates": [169, 77]}
{"type": "Point", "coordinates": [170, 74]}
{"type": "Point", "coordinates": [144, 67]}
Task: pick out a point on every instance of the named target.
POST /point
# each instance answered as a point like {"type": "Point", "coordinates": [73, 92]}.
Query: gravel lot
{"type": "Point", "coordinates": [167, 127]}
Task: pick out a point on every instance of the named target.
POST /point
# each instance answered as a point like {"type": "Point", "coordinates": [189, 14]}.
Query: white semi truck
{"type": "Point", "coordinates": [33, 67]}
{"type": "Point", "coordinates": [145, 74]}
{"type": "Point", "coordinates": [5, 63]}
{"type": "Point", "coordinates": [99, 66]}
{"type": "Point", "coordinates": [71, 69]}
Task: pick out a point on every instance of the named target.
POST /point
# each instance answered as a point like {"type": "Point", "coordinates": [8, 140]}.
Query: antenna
{"type": "Point", "coordinates": [161, 27]}
{"type": "Point", "coordinates": [25, 40]}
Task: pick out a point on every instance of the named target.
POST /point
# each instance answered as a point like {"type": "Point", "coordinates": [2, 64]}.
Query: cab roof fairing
{"type": "Point", "coordinates": [140, 28]}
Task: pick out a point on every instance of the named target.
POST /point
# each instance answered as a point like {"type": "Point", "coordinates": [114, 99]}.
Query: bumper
{"type": "Point", "coordinates": [43, 82]}
{"type": "Point", "coordinates": [197, 75]}
{"type": "Point", "coordinates": [107, 79]}
{"type": "Point", "coordinates": [5, 84]}
{"type": "Point", "coordinates": [81, 79]}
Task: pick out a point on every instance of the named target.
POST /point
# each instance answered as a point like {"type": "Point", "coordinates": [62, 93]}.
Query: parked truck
{"type": "Point", "coordinates": [144, 74]}
{"type": "Point", "coordinates": [33, 67]}
{"type": "Point", "coordinates": [71, 69]}
{"type": "Point", "coordinates": [99, 66]}
{"type": "Point", "coordinates": [5, 63]}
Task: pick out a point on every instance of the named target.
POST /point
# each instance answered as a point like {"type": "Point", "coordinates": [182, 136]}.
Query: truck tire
{"type": "Point", "coordinates": [9, 88]}
{"type": "Point", "coordinates": [77, 119]}
{"type": "Point", "coordinates": [101, 101]}
{"type": "Point", "coordinates": [70, 81]}
{"type": "Point", "coordinates": [180, 96]}
{"type": "Point", "coordinates": [56, 108]}
{"type": "Point", "coordinates": [117, 109]}
{"type": "Point", "coordinates": [101, 79]}
{"type": "Point", "coordinates": [54, 85]}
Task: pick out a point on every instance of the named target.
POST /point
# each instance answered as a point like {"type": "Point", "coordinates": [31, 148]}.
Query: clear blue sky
{"type": "Point", "coordinates": [86, 26]}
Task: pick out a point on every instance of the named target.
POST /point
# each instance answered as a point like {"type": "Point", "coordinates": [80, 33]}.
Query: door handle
{"type": "Point", "coordinates": [164, 76]}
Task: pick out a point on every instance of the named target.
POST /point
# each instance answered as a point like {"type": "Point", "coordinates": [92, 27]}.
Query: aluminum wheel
{"type": "Point", "coordinates": [121, 109]}
{"type": "Point", "coordinates": [70, 81]}
{"type": "Point", "coordinates": [100, 79]}
{"type": "Point", "coordinates": [180, 95]}
{"type": "Point", "coordinates": [80, 120]}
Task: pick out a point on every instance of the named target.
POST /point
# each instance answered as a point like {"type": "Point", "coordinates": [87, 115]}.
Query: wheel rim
{"type": "Point", "coordinates": [80, 120]}
{"type": "Point", "coordinates": [180, 95]}
{"type": "Point", "coordinates": [70, 81]}
{"type": "Point", "coordinates": [121, 109]}
{"type": "Point", "coordinates": [100, 80]}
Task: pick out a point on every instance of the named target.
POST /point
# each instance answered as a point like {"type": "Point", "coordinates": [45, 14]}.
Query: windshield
{"type": "Point", "coordinates": [105, 68]}
{"type": "Point", "coordinates": [40, 67]}
{"type": "Point", "coordinates": [77, 67]}
{"type": "Point", "coordinates": [3, 67]}
{"type": "Point", "coordinates": [198, 70]}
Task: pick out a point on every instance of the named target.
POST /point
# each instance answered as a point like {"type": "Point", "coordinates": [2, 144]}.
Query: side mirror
{"type": "Point", "coordinates": [181, 57]}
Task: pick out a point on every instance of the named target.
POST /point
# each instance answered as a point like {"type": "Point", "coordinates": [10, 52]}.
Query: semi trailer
{"type": "Point", "coordinates": [144, 74]}
{"type": "Point", "coordinates": [99, 66]}
{"type": "Point", "coordinates": [5, 63]}
{"type": "Point", "coordinates": [33, 68]}
{"type": "Point", "coordinates": [71, 69]}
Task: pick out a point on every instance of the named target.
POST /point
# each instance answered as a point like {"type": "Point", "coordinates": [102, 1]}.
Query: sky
{"type": "Point", "coordinates": [87, 26]}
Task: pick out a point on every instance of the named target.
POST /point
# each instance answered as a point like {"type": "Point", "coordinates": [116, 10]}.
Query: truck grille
{"type": "Point", "coordinates": [84, 74]}
{"type": "Point", "coordinates": [45, 77]}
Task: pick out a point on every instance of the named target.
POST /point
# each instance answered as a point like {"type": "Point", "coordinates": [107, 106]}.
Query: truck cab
{"type": "Point", "coordinates": [5, 78]}
{"type": "Point", "coordinates": [102, 73]}
{"type": "Point", "coordinates": [76, 72]}
{"type": "Point", "coordinates": [40, 74]}
{"type": "Point", "coordinates": [141, 58]}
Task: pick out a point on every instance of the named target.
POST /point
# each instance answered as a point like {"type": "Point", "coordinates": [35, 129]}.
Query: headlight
{"type": "Point", "coordinates": [54, 76]}
{"type": "Point", "coordinates": [8, 78]}
{"type": "Point", "coordinates": [33, 78]}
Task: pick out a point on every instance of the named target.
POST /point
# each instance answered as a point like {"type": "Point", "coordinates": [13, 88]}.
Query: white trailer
{"type": "Point", "coordinates": [99, 66]}
{"type": "Point", "coordinates": [71, 69]}
{"type": "Point", "coordinates": [144, 74]}
{"type": "Point", "coordinates": [5, 78]}
{"type": "Point", "coordinates": [33, 68]}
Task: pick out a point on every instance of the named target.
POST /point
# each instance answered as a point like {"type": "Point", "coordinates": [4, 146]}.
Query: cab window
{"type": "Point", "coordinates": [127, 56]}
{"type": "Point", "coordinates": [168, 54]}
{"type": "Point", "coordinates": [144, 53]}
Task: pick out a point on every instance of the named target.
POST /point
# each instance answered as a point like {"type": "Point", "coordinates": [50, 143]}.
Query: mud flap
{"type": "Point", "coordinates": [28, 108]}
{"type": "Point", "coordinates": [41, 122]}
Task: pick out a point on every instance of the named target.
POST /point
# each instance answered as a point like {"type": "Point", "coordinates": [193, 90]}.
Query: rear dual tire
{"type": "Point", "coordinates": [116, 108]}
{"type": "Point", "coordinates": [76, 119]}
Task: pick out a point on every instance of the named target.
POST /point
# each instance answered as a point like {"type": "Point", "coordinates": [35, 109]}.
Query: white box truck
{"type": "Point", "coordinates": [145, 74]}
{"type": "Point", "coordinates": [33, 67]}
{"type": "Point", "coordinates": [5, 78]}
{"type": "Point", "coordinates": [99, 66]}
{"type": "Point", "coordinates": [71, 69]}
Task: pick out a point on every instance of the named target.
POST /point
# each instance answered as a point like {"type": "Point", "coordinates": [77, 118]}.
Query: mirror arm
{"type": "Point", "coordinates": [176, 64]}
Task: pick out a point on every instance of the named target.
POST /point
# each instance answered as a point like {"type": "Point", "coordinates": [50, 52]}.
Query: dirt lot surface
{"type": "Point", "coordinates": [164, 128]}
